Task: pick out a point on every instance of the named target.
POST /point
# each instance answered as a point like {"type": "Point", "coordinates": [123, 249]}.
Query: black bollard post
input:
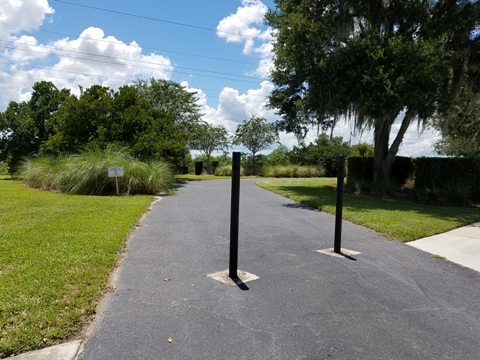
{"type": "Point", "coordinates": [234, 215]}
{"type": "Point", "coordinates": [337, 247]}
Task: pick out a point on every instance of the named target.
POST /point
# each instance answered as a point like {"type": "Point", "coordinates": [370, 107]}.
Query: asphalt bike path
{"type": "Point", "coordinates": [391, 301]}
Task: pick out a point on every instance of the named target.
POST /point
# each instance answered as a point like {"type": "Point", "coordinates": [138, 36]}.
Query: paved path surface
{"type": "Point", "coordinates": [392, 302]}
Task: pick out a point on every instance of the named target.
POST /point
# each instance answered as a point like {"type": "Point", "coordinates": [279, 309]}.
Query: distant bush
{"type": "Point", "coordinates": [87, 174]}
{"type": "Point", "coordinates": [226, 170]}
{"type": "Point", "coordinates": [3, 168]}
{"type": "Point", "coordinates": [289, 171]}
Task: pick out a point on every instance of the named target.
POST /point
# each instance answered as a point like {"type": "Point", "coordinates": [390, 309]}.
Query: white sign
{"type": "Point", "coordinates": [115, 171]}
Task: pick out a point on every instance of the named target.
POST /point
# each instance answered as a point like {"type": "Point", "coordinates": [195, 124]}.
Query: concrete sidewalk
{"type": "Point", "coordinates": [388, 301]}
{"type": "Point", "coordinates": [461, 246]}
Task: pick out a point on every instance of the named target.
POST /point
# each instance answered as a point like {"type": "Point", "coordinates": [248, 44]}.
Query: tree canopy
{"type": "Point", "coordinates": [256, 134]}
{"type": "Point", "coordinates": [374, 62]}
{"type": "Point", "coordinates": [207, 138]}
{"type": "Point", "coordinates": [151, 118]}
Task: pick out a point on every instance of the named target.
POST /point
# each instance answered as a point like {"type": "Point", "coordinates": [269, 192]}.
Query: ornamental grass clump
{"type": "Point", "coordinates": [289, 171]}
{"type": "Point", "coordinates": [87, 174]}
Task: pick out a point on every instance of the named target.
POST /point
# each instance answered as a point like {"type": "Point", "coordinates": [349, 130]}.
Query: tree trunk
{"type": "Point", "coordinates": [392, 152]}
{"type": "Point", "coordinates": [209, 165]}
{"type": "Point", "coordinates": [381, 137]}
{"type": "Point", "coordinates": [253, 162]}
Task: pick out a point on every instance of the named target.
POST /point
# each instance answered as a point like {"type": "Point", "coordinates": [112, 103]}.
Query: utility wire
{"type": "Point", "coordinates": [142, 47]}
{"type": "Point", "coordinates": [117, 58]}
{"type": "Point", "coordinates": [49, 76]}
{"type": "Point", "coordinates": [154, 19]}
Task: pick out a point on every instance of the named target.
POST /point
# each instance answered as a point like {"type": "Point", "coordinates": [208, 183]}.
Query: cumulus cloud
{"type": "Point", "coordinates": [92, 58]}
{"type": "Point", "coordinates": [16, 15]}
{"type": "Point", "coordinates": [246, 26]}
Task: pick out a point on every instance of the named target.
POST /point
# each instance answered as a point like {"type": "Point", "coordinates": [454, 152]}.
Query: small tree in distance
{"type": "Point", "coordinates": [256, 135]}
{"type": "Point", "coordinates": [207, 138]}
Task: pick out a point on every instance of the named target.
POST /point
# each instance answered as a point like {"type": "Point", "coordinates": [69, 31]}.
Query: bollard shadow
{"type": "Point", "coordinates": [299, 206]}
{"type": "Point", "coordinates": [346, 256]}
{"type": "Point", "coordinates": [240, 283]}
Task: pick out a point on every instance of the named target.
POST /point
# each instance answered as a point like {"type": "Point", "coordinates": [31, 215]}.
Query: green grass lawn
{"type": "Point", "coordinates": [397, 219]}
{"type": "Point", "coordinates": [56, 254]}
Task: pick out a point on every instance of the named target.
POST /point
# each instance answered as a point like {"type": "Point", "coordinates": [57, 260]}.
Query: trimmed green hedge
{"type": "Point", "coordinates": [360, 170]}
{"type": "Point", "coordinates": [440, 173]}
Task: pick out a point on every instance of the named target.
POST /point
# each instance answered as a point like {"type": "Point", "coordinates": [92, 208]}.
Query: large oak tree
{"type": "Point", "coordinates": [374, 62]}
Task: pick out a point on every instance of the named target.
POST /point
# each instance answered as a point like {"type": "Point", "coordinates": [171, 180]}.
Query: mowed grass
{"type": "Point", "coordinates": [56, 254]}
{"type": "Point", "coordinates": [397, 219]}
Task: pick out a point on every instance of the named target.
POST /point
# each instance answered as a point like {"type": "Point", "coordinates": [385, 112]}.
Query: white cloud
{"type": "Point", "coordinates": [18, 14]}
{"type": "Point", "coordinates": [246, 26]}
{"type": "Point", "coordinates": [92, 58]}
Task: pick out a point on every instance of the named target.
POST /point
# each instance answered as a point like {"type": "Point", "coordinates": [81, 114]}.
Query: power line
{"type": "Point", "coordinates": [154, 19]}
{"type": "Point", "coordinates": [142, 47]}
{"type": "Point", "coordinates": [137, 66]}
{"type": "Point", "coordinates": [117, 58]}
{"type": "Point", "coordinates": [107, 77]}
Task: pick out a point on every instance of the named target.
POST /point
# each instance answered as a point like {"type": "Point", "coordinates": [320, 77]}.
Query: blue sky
{"type": "Point", "coordinates": [219, 48]}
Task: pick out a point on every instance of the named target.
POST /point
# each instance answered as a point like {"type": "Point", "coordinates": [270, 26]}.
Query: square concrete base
{"type": "Point", "coordinates": [345, 253]}
{"type": "Point", "coordinates": [223, 277]}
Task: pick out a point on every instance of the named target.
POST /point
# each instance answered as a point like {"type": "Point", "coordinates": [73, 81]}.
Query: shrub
{"type": "Point", "coordinates": [226, 170]}
{"type": "Point", "coordinates": [439, 173]}
{"type": "Point", "coordinates": [198, 167]}
{"type": "Point", "coordinates": [3, 168]}
{"type": "Point", "coordinates": [454, 193]}
{"type": "Point", "coordinates": [87, 174]}
{"type": "Point", "coordinates": [292, 171]}
{"type": "Point", "coordinates": [360, 171]}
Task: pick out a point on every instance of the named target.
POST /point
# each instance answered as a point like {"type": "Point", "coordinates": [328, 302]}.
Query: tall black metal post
{"type": "Point", "coordinates": [337, 247]}
{"type": "Point", "coordinates": [234, 215]}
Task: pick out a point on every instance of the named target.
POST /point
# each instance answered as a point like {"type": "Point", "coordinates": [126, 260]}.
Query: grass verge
{"type": "Point", "coordinates": [397, 219]}
{"type": "Point", "coordinates": [56, 254]}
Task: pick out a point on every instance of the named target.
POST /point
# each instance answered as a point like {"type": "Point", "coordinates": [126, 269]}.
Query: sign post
{"type": "Point", "coordinates": [116, 172]}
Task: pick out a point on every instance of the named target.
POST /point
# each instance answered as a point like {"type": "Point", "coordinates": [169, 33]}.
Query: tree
{"type": "Point", "coordinates": [208, 138]}
{"type": "Point", "coordinates": [173, 98]}
{"type": "Point", "coordinates": [362, 149]}
{"type": "Point", "coordinates": [25, 126]}
{"type": "Point", "coordinates": [375, 62]}
{"type": "Point", "coordinates": [256, 135]}
{"type": "Point", "coordinates": [279, 156]}
{"type": "Point", "coordinates": [323, 151]}
{"type": "Point", "coordinates": [460, 128]}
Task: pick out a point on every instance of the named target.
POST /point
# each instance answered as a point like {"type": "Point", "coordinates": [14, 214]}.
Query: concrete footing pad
{"type": "Point", "coordinates": [66, 351]}
{"type": "Point", "coordinates": [223, 277]}
{"type": "Point", "coordinates": [345, 253]}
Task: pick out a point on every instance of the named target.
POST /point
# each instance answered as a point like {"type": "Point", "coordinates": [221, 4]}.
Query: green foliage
{"type": "Point", "coordinates": [256, 135]}
{"type": "Point", "coordinates": [172, 98]}
{"type": "Point", "coordinates": [207, 138]}
{"type": "Point", "coordinates": [324, 152]}
{"type": "Point", "coordinates": [460, 128]}
{"type": "Point", "coordinates": [56, 254]}
{"type": "Point", "coordinates": [372, 62]}
{"type": "Point", "coordinates": [363, 149]}
{"type": "Point", "coordinates": [25, 126]}
{"type": "Point", "coordinates": [360, 174]}
{"type": "Point", "coordinates": [226, 170]}
{"type": "Point", "coordinates": [439, 176]}
{"type": "Point", "coordinates": [279, 156]}
{"type": "Point", "coordinates": [87, 174]}
{"type": "Point", "coordinates": [289, 171]}
{"type": "Point", "coordinates": [3, 168]}
{"type": "Point", "coordinates": [151, 118]}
